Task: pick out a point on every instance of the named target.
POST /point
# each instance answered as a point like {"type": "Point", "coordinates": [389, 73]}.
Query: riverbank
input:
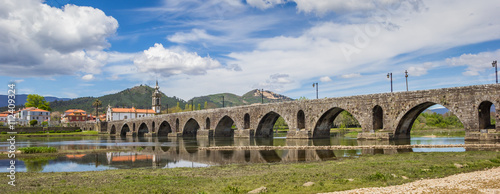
{"type": "Point", "coordinates": [338, 175]}
{"type": "Point", "coordinates": [82, 133]}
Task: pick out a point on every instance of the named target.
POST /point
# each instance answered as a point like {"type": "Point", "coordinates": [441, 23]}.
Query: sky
{"type": "Point", "coordinates": [80, 48]}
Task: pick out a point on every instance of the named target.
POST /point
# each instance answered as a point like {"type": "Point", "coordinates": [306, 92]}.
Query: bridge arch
{"type": "Point", "coordinates": [325, 122]}
{"type": "Point", "coordinates": [246, 121]}
{"type": "Point", "coordinates": [207, 123]}
{"type": "Point", "coordinates": [113, 130]}
{"type": "Point", "coordinates": [484, 115]}
{"type": "Point", "coordinates": [377, 117]}
{"type": "Point", "coordinates": [153, 127]}
{"type": "Point", "coordinates": [224, 127]}
{"type": "Point", "coordinates": [177, 125]}
{"type": "Point", "coordinates": [405, 123]}
{"type": "Point", "coordinates": [143, 129]}
{"type": "Point", "coordinates": [266, 124]}
{"type": "Point", "coordinates": [164, 129]}
{"type": "Point", "coordinates": [125, 128]}
{"type": "Point", "coordinates": [301, 120]}
{"type": "Point", "coordinates": [190, 128]}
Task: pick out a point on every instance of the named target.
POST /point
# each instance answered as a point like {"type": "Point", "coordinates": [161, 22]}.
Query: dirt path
{"type": "Point", "coordinates": [487, 181]}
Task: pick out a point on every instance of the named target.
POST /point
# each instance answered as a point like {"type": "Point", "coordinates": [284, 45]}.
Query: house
{"type": "Point", "coordinates": [74, 115]}
{"type": "Point", "coordinates": [114, 114]}
{"type": "Point", "coordinates": [24, 116]}
{"type": "Point", "coordinates": [4, 117]}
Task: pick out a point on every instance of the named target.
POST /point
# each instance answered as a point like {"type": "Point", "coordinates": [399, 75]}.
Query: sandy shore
{"type": "Point", "coordinates": [486, 181]}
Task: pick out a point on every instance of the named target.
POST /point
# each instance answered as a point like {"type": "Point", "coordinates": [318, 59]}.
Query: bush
{"type": "Point", "coordinates": [78, 130]}
{"type": "Point", "coordinates": [33, 122]}
{"type": "Point", "coordinates": [51, 131]}
{"type": "Point", "coordinates": [31, 150]}
{"type": "Point", "coordinates": [4, 132]}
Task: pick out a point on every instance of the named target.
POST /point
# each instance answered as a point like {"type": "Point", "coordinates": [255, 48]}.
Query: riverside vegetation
{"type": "Point", "coordinates": [341, 174]}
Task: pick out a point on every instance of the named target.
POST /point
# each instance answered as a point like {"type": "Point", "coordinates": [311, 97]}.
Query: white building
{"type": "Point", "coordinates": [114, 114]}
{"type": "Point", "coordinates": [31, 113]}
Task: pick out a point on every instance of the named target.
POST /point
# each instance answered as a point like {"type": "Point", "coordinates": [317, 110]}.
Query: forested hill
{"type": "Point", "coordinates": [140, 97]}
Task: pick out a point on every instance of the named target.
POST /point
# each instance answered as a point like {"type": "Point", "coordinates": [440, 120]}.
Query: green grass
{"type": "Point", "coordinates": [56, 134]}
{"type": "Point", "coordinates": [343, 174]}
{"type": "Point", "coordinates": [34, 150]}
{"type": "Point", "coordinates": [438, 132]}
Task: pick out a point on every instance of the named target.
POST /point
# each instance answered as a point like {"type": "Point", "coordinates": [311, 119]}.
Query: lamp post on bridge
{"type": "Point", "coordinates": [262, 95]}
{"type": "Point", "coordinates": [389, 75]}
{"type": "Point", "coordinates": [316, 85]}
{"type": "Point", "coordinates": [406, 75]}
{"type": "Point", "coordinates": [495, 65]}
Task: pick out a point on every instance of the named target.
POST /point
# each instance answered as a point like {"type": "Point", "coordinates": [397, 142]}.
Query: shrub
{"type": "Point", "coordinates": [33, 122]}
{"type": "Point", "coordinates": [31, 150]}
{"type": "Point", "coordinates": [78, 130]}
{"type": "Point", "coordinates": [4, 132]}
{"type": "Point", "coordinates": [51, 131]}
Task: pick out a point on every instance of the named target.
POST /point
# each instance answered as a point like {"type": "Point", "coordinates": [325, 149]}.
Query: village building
{"type": "Point", "coordinates": [114, 114]}
{"type": "Point", "coordinates": [24, 116]}
{"type": "Point", "coordinates": [74, 115]}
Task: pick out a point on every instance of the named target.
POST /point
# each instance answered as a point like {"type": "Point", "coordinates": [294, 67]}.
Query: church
{"type": "Point", "coordinates": [114, 114]}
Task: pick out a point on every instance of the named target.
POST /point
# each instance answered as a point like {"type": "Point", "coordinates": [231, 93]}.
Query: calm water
{"type": "Point", "coordinates": [148, 152]}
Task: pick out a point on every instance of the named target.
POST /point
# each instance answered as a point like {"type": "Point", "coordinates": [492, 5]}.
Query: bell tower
{"type": "Point", "coordinates": [156, 97]}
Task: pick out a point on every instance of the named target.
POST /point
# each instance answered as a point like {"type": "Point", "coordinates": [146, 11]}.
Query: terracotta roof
{"type": "Point", "coordinates": [4, 115]}
{"type": "Point", "coordinates": [38, 110]}
{"type": "Point", "coordinates": [74, 110]}
{"type": "Point", "coordinates": [132, 110]}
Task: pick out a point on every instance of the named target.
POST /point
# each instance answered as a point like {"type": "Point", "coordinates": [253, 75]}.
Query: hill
{"type": "Point", "coordinates": [140, 97]}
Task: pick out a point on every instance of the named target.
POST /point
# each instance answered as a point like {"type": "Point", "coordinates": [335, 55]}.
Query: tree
{"type": "Point", "coordinates": [205, 106]}
{"type": "Point", "coordinates": [37, 101]}
{"type": "Point", "coordinates": [45, 124]}
{"type": "Point", "coordinates": [199, 106]}
{"type": "Point", "coordinates": [97, 103]}
{"type": "Point", "coordinates": [302, 98]}
{"type": "Point", "coordinates": [186, 108]}
{"type": "Point", "coordinates": [55, 116]}
{"type": "Point", "coordinates": [33, 122]}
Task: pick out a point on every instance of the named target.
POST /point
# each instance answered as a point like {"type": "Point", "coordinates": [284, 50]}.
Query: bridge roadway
{"type": "Point", "coordinates": [381, 116]}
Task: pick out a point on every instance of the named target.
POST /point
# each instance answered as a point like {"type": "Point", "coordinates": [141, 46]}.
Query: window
{"type": "Point", "coordinates": [125, 117]}
{"type": "Point", "coordinates": [77, 118]}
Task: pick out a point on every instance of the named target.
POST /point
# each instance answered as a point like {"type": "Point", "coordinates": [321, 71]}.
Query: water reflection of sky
{"type": "Point", "coordinates": [174, 153]}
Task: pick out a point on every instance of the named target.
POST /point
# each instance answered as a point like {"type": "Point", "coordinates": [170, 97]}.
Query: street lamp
{"type": "Point", "coordinates": [223, 101]}
{"type": "Point", "coordinates": [316, 85]}
{"type": "Point", "coordinates": [494, 64]}
{"type": "Point", "coordinates": [389, 75]}
{"type": "Point", "coordinates": [406, 75]}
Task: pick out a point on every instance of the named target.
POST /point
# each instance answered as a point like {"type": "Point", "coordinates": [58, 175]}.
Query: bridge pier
{"type": "Point", "coordinates": [205, 133]}
{"type": "Point", "coordinates": [130, 134]}
{"type": "Point", "coordinates": [245, 133]}
{"type": "Point", "coordinates": [483, 135]}
{"type": "Point", "coordinates": [380, 135]}
{"type": "Point", "coordinates": [302, 134]}
{"type": "Point", "coordinates": [175, 134]}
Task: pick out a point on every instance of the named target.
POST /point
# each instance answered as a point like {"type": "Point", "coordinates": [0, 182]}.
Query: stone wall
{"type": "Point", "coordinates": [38, 129]}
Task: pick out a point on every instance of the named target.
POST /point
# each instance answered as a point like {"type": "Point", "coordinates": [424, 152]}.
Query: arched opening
{"type": "Point", "coordinates": [153, 127]}
{"type": "Point", "coordinates": [190, 128]}
{"type": "Point", "coordinates": [486, 118]}
{"type": "Point", "coordinates": [378, 118]}
{"type": "Point", "coordinates": [225, 127]}
{"type": "Point", "coordinates": [207, 123]}
{"type": "Point", "coordinates": [334, 118]}
{"type": "Point", "coordinates": [143, 128]}
{"type": "Point", "coordinates": [164, 129]}
{"type": "Point", "coordinates": [246, 121]}
{"type": "Point", "coordinates": [301, 120]}
{"type": "Point", "coordinates": [113, 130]}
{"type": "Point", "coordinates": [176, 125]}
{"type": "Point", "coordinates": [429, 119]}
{"type": "Point", "coordinates": [268, 123]}
{"type": "Point", "coordinates": [133, 127]}
{"type": "Point", "coordinates": [124, 130]}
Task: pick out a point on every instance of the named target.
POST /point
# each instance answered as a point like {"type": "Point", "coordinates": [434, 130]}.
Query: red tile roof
{"type": "Point", "coordinates": [132, 110]}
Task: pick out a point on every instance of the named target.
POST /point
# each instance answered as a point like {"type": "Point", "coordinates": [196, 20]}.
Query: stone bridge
{"type": "Point", "coordinates": [381, 116]}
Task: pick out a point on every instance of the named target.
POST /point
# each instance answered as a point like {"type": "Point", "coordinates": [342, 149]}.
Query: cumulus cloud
{"type": "Point", "coordinates": [352, 75]}
{"type": "Point", "coordinates": [325, 79]}
{"type": "Point", "coordinates": [475, 63]}
{"type": "Point", "coordinates": [39, 40]}
{"type": "Point", "coordinates": [422, 69]}
{"type": "Point", "coordinates": [194, 35]}
{"type": "Point", "coordinates": [167, 62]}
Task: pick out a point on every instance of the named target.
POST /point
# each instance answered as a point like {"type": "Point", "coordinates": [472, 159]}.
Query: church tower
{"type": "Point", "coordinates": [156, 99]}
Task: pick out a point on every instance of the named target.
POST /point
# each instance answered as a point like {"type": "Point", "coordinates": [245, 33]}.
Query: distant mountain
{"type": "Point", "coordinates": [21, 99]}
{"type": "Point", "coordinates": [140, 97]}
{"type": "Point", "coordinates": [251, 97]}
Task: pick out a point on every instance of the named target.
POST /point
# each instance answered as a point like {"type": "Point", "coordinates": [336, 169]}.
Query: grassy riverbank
{"type": "Point", "coordinates": [82, 133]}
{"type": "Point", "coordinates": [343, 174]}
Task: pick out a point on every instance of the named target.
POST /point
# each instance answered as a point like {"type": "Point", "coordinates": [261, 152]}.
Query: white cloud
{"type": "Point", "coordinates": [421, 69]}
{"type": "Point", "coordinates": [475, 63]}
{"type": "Point", "coordinates": [194, 35]}
{"type": "Point", "coordinates": [325, 79]}
{"type": "Point", "coordinates": [352, 75]}
{"type": "Point", "coordinates": [19, 80]}
{"type": "Point", "coordinates": [264, 4]}
{"type": "Point", "coordinates": [88, 77]}
{"type": "Point", "coordinates": [166, 62]}
{"type": "Point", "coordinates": [39, 40]}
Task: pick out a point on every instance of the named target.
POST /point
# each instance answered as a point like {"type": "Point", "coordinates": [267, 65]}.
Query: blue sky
{"type": "Point", "coordinates": [78, 48]}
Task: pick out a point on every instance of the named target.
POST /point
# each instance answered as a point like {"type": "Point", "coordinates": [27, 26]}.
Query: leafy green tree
{"type": "Point", "coordinates": [33, 122]}
{"type": "Point", "coordinates": [302, 98]}
{"type": "Point", "coordinates": [45, 124]}
{"type": "Point", "coordinates": [37, 101]}
{"type": "Point", "coordinates": [205, 106]}
{"type": "Point", "coordinates": [186, 108]}
{"type": "Point", "coordinates": [199, 106]}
